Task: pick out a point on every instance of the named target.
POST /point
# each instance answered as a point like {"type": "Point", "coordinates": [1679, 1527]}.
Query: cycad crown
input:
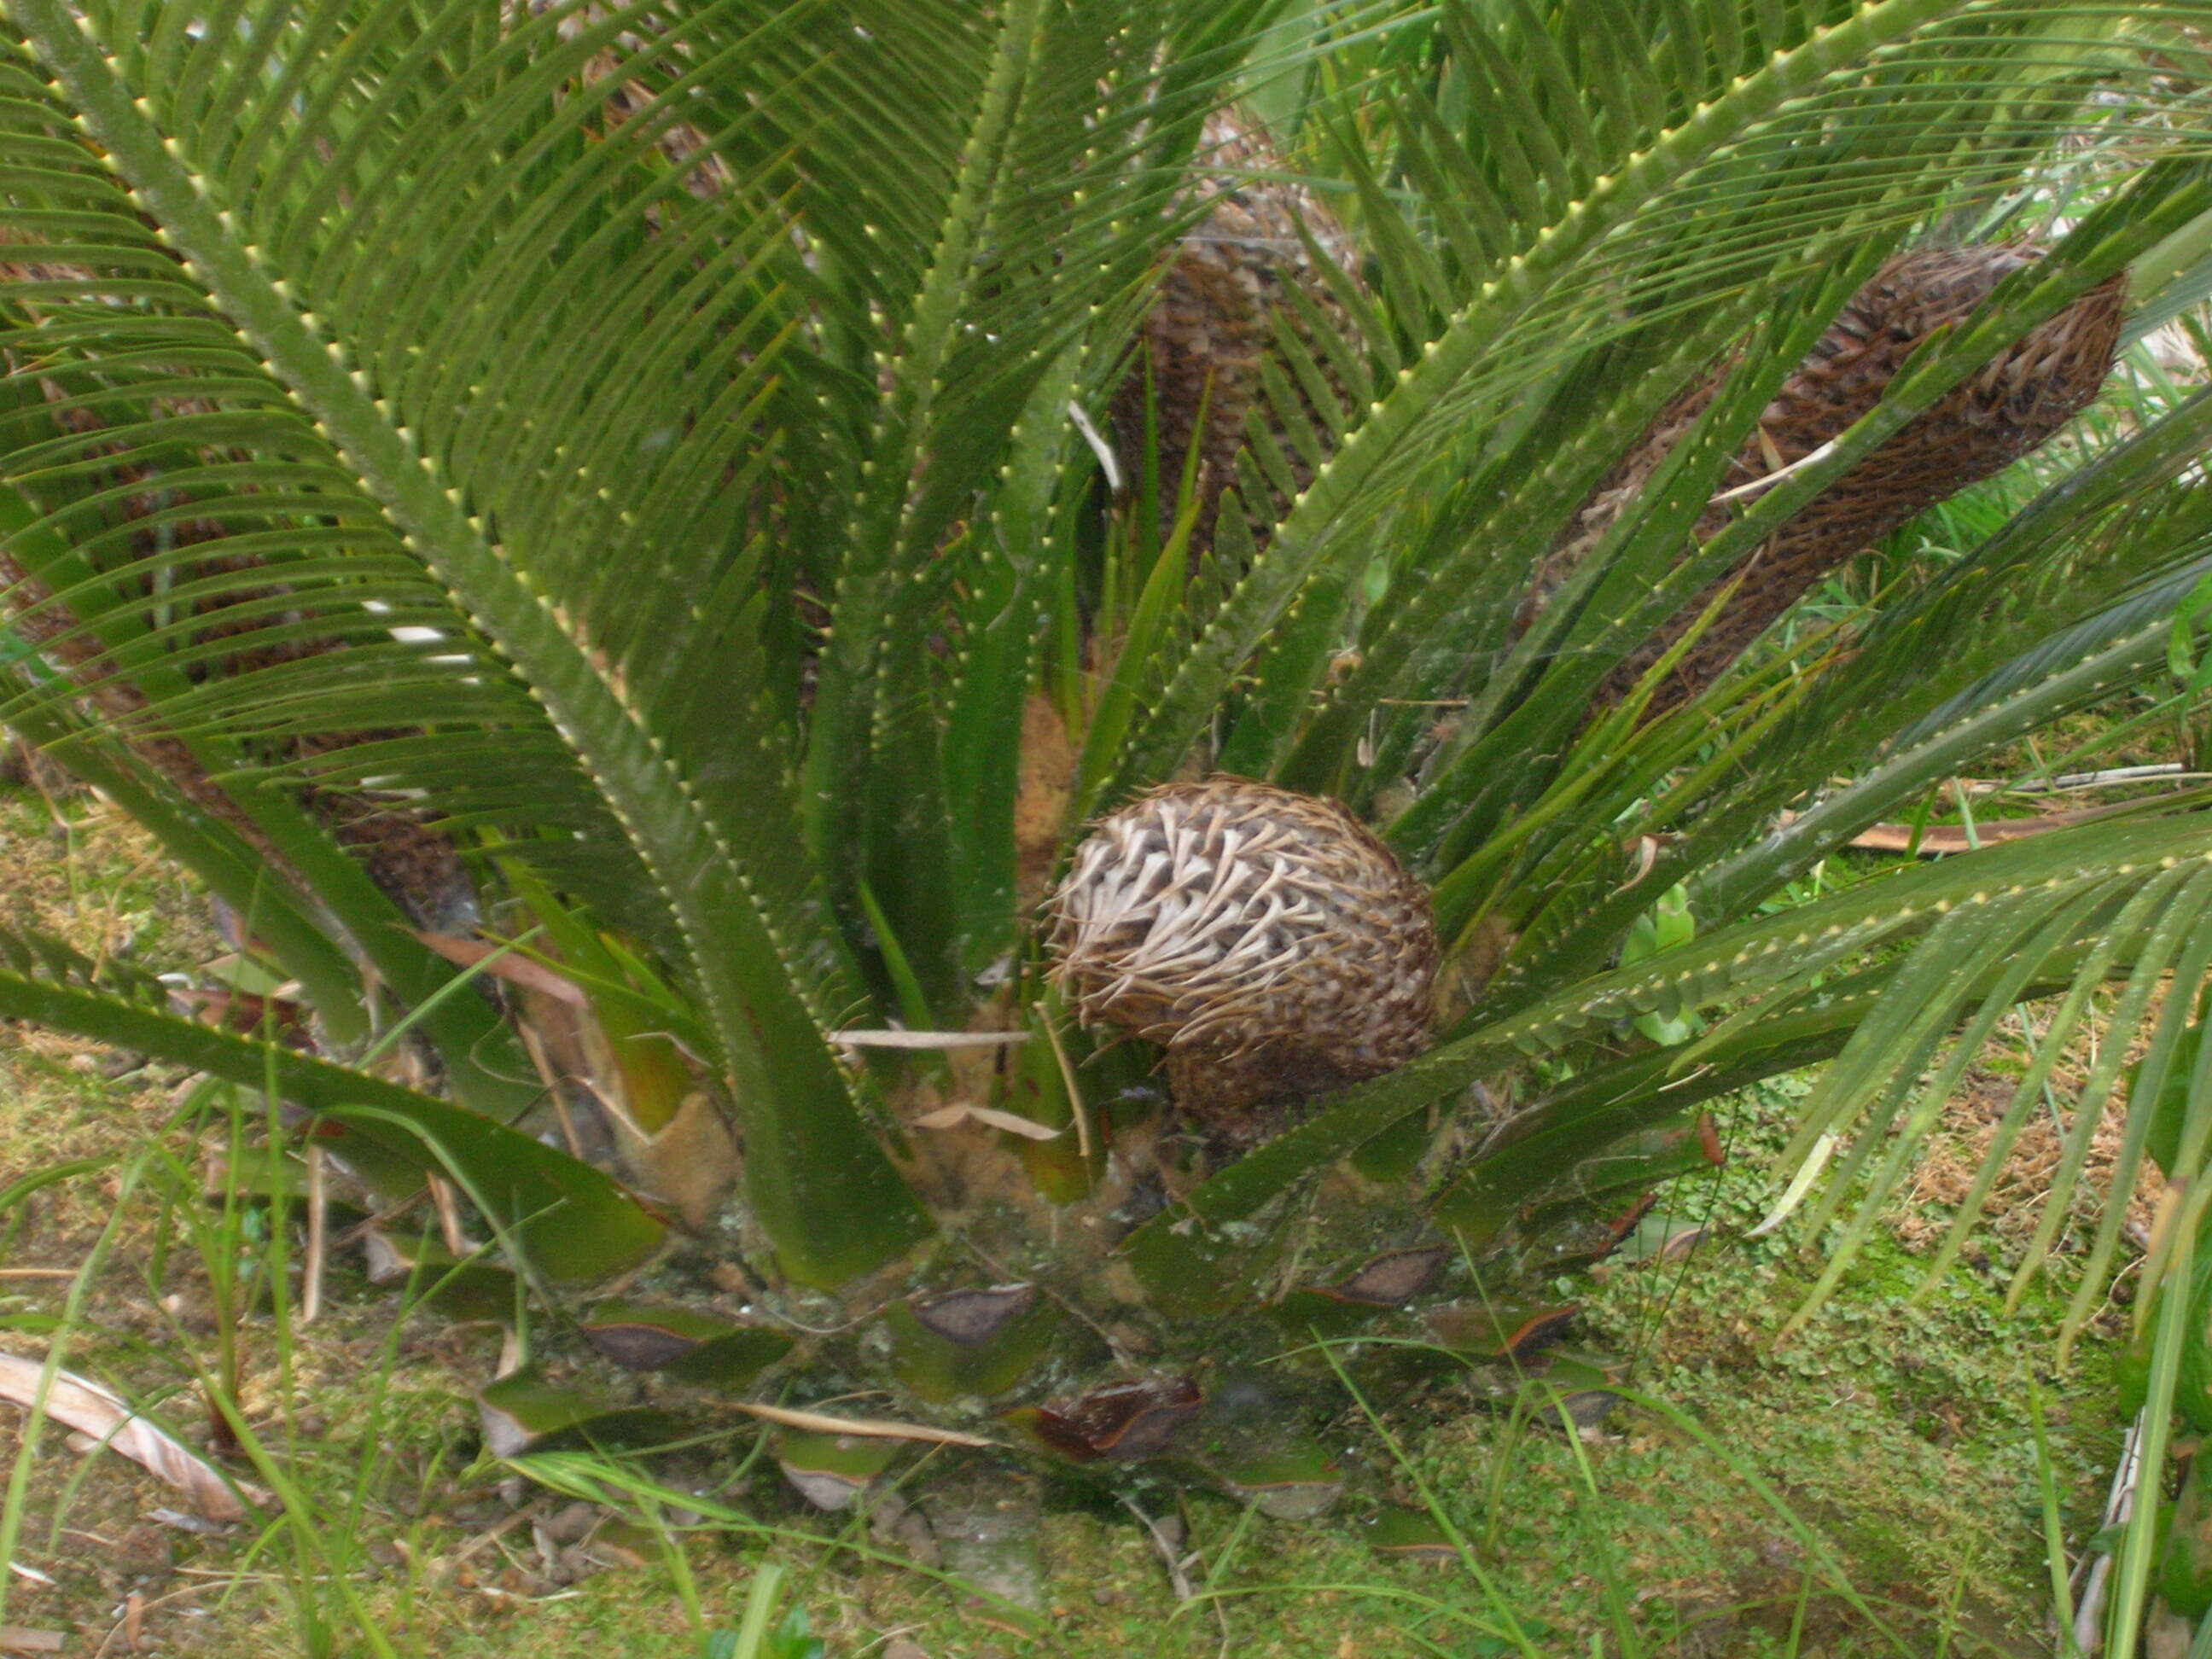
{"type": "Point", "coordinates": [1266, 938]}
{"type": "Point", "coordinates": [655, 459]}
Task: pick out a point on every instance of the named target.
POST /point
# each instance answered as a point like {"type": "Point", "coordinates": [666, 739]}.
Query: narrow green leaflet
{"type": "Point", "coordinates": [563, 1216]}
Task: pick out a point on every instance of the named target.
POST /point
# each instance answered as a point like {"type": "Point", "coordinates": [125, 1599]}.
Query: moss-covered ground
{"type": "Point", "coordinates": [1869, 1485]}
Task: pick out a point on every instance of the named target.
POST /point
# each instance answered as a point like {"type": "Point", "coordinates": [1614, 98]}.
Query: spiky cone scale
{"type": "Point", "coordinates": [1267, 940]}
{"type": "Point", "coordinates": [2011, 406]}
{"type": "Point", "coordinates": [1211, 329]}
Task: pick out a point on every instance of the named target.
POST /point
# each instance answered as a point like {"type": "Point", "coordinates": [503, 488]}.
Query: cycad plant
{"type": "Point", "coordinates": [628, 545]}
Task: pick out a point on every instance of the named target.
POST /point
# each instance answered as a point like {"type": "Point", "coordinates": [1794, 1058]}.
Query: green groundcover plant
{"type": "Point", "coordinates": [626, 544]}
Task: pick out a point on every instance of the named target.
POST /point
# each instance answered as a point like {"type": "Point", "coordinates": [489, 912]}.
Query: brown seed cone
{"type": "Point", "coordinates": [1267, 940]}
{"type": "Point", "coordinates": [1981, 426]}
{"type": "Point", "coordinates": [1212, 327]}
{"type": "Point", "coordinates": [413, 862]}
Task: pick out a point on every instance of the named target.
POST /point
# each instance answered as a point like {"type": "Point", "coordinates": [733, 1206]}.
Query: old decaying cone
{"type": "Point", "coordinates": [1212, 331]}
{"type": "Point", "coordinates": [1267, 940]}
{"type": "Point", "coordinates": [412, 862]}
{"type": "Point", "coordinates": [1236, 285]}
{"type": "Point", "coordinates": [1981, 426]}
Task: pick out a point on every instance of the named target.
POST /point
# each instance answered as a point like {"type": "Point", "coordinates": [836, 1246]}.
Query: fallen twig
{"type": "Point", "coordinates": [2119, 1505]}
{"type": "Point", "coordinates": [869, 1428]}
{"type": "Point", "coordinates": [319, 1214]}
{"type": "Point", "coordinates": [861, 1037]}
{"type": "Point", "coordinates": [1177, 1578]}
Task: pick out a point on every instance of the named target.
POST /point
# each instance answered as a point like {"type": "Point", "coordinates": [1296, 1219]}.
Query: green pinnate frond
{"type": "Point", "coordinates": [751, 936]}
{"type": "Point", "coordinates": [561, 1217]}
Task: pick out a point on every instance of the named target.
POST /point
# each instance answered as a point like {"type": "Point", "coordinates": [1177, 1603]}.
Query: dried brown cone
{"type": "Point", "coordinates": [2011, 406]}
{"type": "Point", "coordinates": [1212, 328]}
{"type": "Point", "coordinates": [1267, 940]}
{"type": "Point", "coordinates": [411, 860]}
